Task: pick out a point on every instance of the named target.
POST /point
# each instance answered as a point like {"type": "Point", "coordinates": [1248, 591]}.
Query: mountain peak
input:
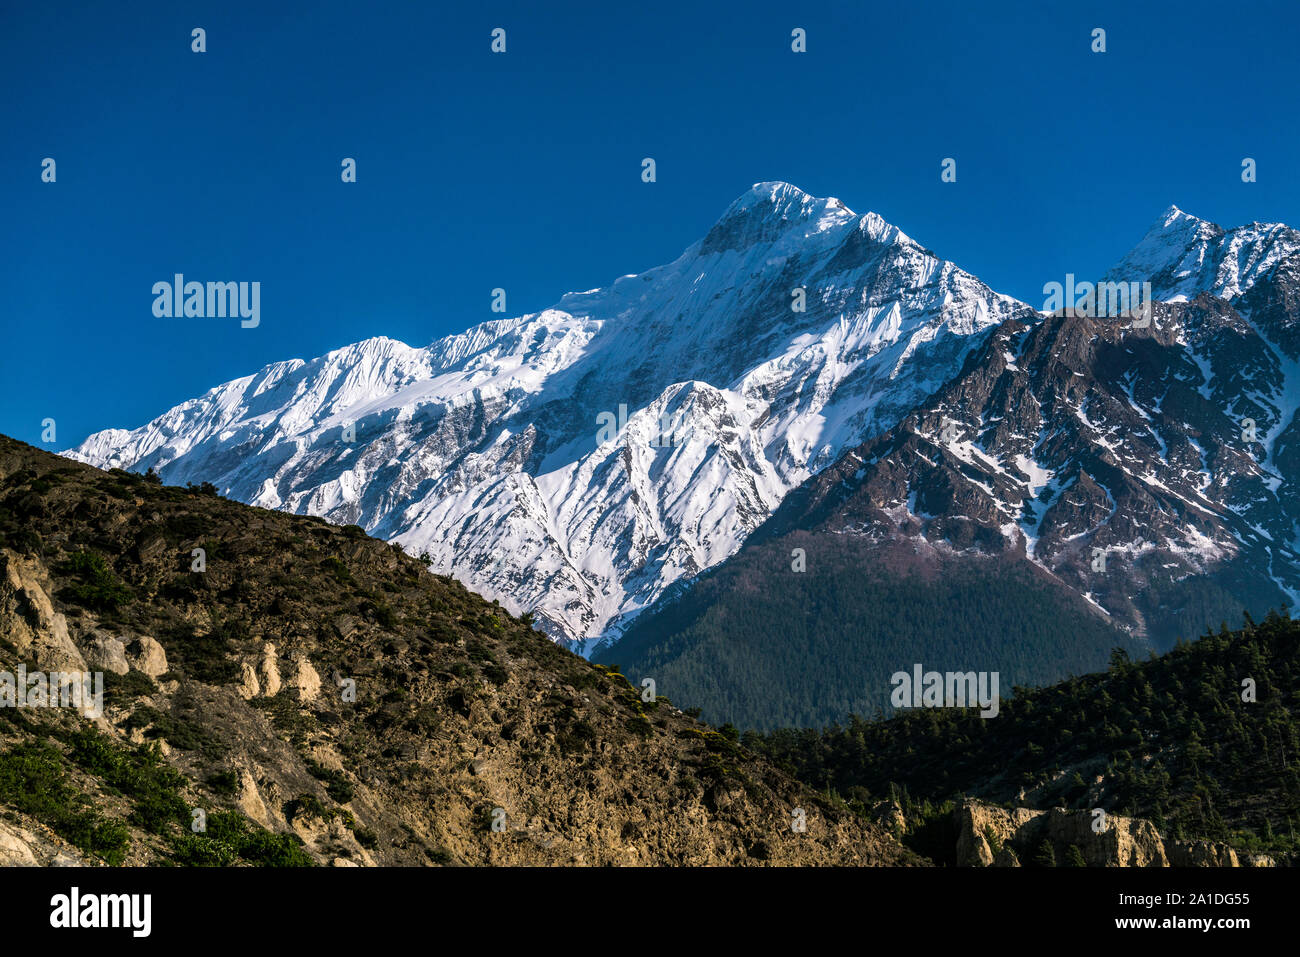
{"type": "Point", "coordinates": [1176, 219]}
{"type": "Point", "coordinates": [770, 210]}
{"type": "Point", "coordinates": [781, 197]}
{"type": "Point", "coordinates": [1183, 255]}
{"type": "Point", "coordinates": [488, 444]}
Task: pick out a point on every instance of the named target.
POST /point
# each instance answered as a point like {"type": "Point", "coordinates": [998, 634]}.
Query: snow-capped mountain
{"type": "Point", "coordinates": [1171, 449]}
{"type": "Point", "coordinates": [1182, 256]}
{"type": "Point", "coordinates": [578, 461]}
{"type": "Point", "coordinates": [1082, 483]}
{"type": "Point", "coordinates": [1149, 470]}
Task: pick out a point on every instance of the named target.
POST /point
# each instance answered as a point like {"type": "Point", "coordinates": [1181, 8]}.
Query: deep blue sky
{"type": "Point", "coordinates": [523, 170]}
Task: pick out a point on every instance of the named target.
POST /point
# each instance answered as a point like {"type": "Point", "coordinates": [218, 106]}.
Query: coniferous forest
{"type": "Point", "coordinates": [1203, 740]}
{"type": "Point", "coordinates": [808, 649]}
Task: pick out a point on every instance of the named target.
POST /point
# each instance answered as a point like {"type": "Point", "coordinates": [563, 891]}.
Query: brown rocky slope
{"type": "Point", "coordinates": [322, 698]}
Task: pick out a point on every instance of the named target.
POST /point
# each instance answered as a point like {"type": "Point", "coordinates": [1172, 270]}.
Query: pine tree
{"type": "Point", "coordinates": [1045, 855]}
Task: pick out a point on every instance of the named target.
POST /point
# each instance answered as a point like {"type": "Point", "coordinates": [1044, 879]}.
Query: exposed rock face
{"type": "Point", "coordinates": [1006, 858]}
{"type": "Point", "coordinates": [993, 836]}
{"type": "Point", "coordinates": [1113, 457]}
{"type": "Point", "coordinates": [1205, 854]}
{"type": "Point", "coordinates": [148, 656]}
{"type": "Point", "coordinates": [35, 846]}
{"type": "Point", "coordinates": [103, 652]}
{"type": "Point", "coordinates": [32, 624]}
{"type": "Point", "coordinates": [250, 801]}
{"type": "Point", "coordinates": [1122, 842]}
{"type": "Point", "coordinates": [1146, 473]}
{"type": "Point", "coordinates": [889, 815]}
{"type": "Point", "coordinates": [249, 686]}
{"type": "Point", "coordinates": [306, 680]}
{"type": "Point", "coordinates": [981, 826]}
{"type": "Point", "coordinates": [268, 671]}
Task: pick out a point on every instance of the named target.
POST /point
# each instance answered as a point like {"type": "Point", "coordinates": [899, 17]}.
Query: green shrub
{"type": "Point", "coordinates": [97, 586]}
{"type": "Point", "coordinates": [305, 804]}
{"type": "Point", "coordinates": [225, 783]}
{"type": "Point", "coordinates": [337, 786]}
{"type": "Point", "coordinates": [139, 774]}
{"type": "Point", "coordinates": [381, 612]}
{"type": "Point", "coordinates": [229, 836]}
{"type": "Point", "coordinates": [133, 684]}
{"type": "Point", "coordinates": [34, 782]}
{"type": "Point", "coordinates": [340, 571]}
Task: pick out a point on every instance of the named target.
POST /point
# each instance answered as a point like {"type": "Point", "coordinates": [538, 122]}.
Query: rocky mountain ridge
{"type": "Point", "coordinates": [1142, 467]}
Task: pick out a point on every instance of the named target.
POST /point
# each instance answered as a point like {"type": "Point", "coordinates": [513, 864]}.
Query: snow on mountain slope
{"type": "Point", "coordinates": [1182, 256]}
{"type": "Point", "coordinates": [1167, 451]}
{"type": "Point", "coordinates": [486, 449]}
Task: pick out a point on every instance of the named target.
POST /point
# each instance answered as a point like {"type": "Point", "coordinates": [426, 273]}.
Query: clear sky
{"type": "Point", "coordinates": [523, 170]}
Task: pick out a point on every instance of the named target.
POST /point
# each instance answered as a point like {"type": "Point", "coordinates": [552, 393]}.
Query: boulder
{"type": "Point", "coordinates": [147, 656]}
{"type": "Point", "coordinates": [103, 652]}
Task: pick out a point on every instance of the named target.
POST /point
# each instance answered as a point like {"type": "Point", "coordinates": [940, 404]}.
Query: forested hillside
{"type": "Point", "coordinates": [762, 646]}
{"type": "Point", "coordinates": [1173, 739]}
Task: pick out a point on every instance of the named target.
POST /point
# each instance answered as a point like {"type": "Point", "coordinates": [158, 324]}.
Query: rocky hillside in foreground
{"type": "Point", "coordinates": [323, 698]}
